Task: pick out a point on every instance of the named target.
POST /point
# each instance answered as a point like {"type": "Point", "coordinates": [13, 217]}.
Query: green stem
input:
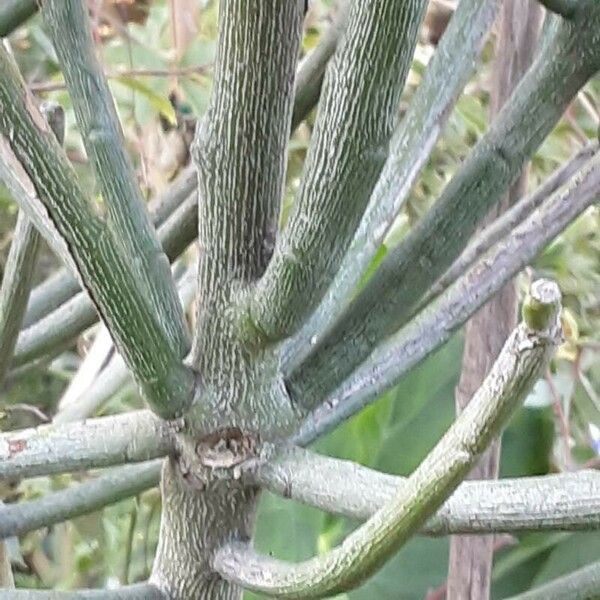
{"type": "Point", "coordinates": [16, 285]}
{"type": "Point", "coordinates": [102, 442]}
{"type": "Point", "coordinates": [567, 59]}
{"type": "Point", "coordinates": [79, 499]}
{"type": "Point", "coordinates": [110, 276]}
{"type": "Point", "coordinates": [559, 502]}
{"type": "Point", "coordinates": [309, 79]}
{"type": "Point", "coordinates": [518, 366]}
{"type": "Point", "coordinates": [410, 147]}
{"type": "Point", "coordinates": [357, 114]}
{"type": "Point", "coordinates": [127, 218]}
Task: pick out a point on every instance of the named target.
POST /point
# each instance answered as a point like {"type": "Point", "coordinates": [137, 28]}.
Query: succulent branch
{"type": "Point", "coordinates": [519, 365]}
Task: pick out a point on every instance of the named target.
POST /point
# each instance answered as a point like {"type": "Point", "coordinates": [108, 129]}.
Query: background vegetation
{"type": "Point", "coordinates": [159, 55]}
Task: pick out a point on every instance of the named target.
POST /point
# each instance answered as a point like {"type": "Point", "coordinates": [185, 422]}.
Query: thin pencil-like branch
{"type": "Point", "coordinates": [16, 284]}
{"type": "Point", "coordinates": [504, 225]}
{"type": "Point", "coordinates": [57, 330]}
{"type": "Point", "coordinates": [567, 58]}
{"type": "Point", "coordinates": [62, 286]}
{"type": "Point", "coordinates": [126, 216]}
{"type": "Point", "coordinates": [357, 114]}
{"type": "Point", "coordinates": [25, 195]}
{"type": "Point", "coordinates": [115, 376]}
{"type": "Point", "coordinates": [78, 499]}
{"type": "Point", "coordinates": [309, 79]}
{"type": "Point", "coordinates": [410, 146]}
{"type": "Point", "coordinates": [364, 551]}
{"type": "Point", "coordinates": [138, 591]}
{"type": "Point", "coordinates": [102, 442]}
{"type": "Point", "coordinates": [14, 13]}
{"type": "Point", "coordinates": [434, 325]}
{"type": "Point", "coordinates": [29, 149]}
{"type": "Point", "coordinates": [582, 584]}
{"type": "Point", "coordinates": [567, 501]}
{"type": "Point", "coordinates": [174, 213]}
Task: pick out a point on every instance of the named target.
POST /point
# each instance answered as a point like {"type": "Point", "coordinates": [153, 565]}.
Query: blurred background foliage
{"type": "Point", "coordinates": [158, 55]}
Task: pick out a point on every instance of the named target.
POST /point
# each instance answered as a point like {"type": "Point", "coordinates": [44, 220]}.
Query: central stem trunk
{"type": "Point", "coordinates": [194, 524]}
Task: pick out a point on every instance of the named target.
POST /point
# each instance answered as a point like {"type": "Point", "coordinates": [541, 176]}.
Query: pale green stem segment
{"type": "Point", "coordinates": [138, 591]}
{"type": "Point", "coordinates": [357, 114]}
{"type": "Point", "coordinates": [103, 442]}
{"type": "Point", "coordinates": [564, 501]}
{"type": "Point", "coordinates": [78, 499]}
{"type": "Point", "coordinates": [28, 148]}
{"type": "Point", "coordinates": [568, 57]}
{"type": "Point", "coordinates": [18, 274]}
{"type": "Point", "coordinates": [410, 147]}
{"type": "Point", "coordinates": [582, 584]}
{"type": "Point", "coordinates": [437, 322]}
{"type": "Point", "coordinates": [16, 284]}
{"type": "Point", "coordinates": [126, 216]}
{"type": "Point", "coordinates": [520, 363]}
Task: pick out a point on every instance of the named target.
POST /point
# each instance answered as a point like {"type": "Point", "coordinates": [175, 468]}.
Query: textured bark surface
{"type": "Point", "coordinates": [357, 114]}
{"type": "Point", "coordinates": [194, 524]}
{"type": "Point", "coordinates": [240, 154]}
{"type": "Point", "coordinates": [569, 57]}
{"type": "Point", "coordinates": [521, 361]}
{"type": "Point", "coordinates": [470, 562]}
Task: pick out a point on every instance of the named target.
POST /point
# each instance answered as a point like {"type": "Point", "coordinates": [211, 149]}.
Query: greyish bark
{"type": "Point", "coordinates": [240, 155]}
{"type": "Point", "coordinates": [470, 561]}
{"type": "Point", "coordinates": [193, 525]}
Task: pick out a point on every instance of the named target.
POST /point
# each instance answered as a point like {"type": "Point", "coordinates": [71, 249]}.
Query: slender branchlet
{"type": "Point", "coordinates": [409, 151]}
{"type": "Point", "coordinates": [357, 114]}
{"type": "Point", "coordinates": [101, 442]}
{"type": "Point", "coordinates": [29, 149]}
{"type": "Point", "coordinates": [434, 325]}
{"type": "Point", "coordinates": [16, 284]}
{"type": "Point", "coordinates": [503, 226]}
{"type": "Point", "coordinates": [518, 366]}
{"type": "Point", "coordinates": [566, 502]}
{"type": "Point", "coordinates": [569, 55]}
{"type": "Point", "coordinates": [78, 499]}
{"type": "Point", "coordinates": [126, 216]}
